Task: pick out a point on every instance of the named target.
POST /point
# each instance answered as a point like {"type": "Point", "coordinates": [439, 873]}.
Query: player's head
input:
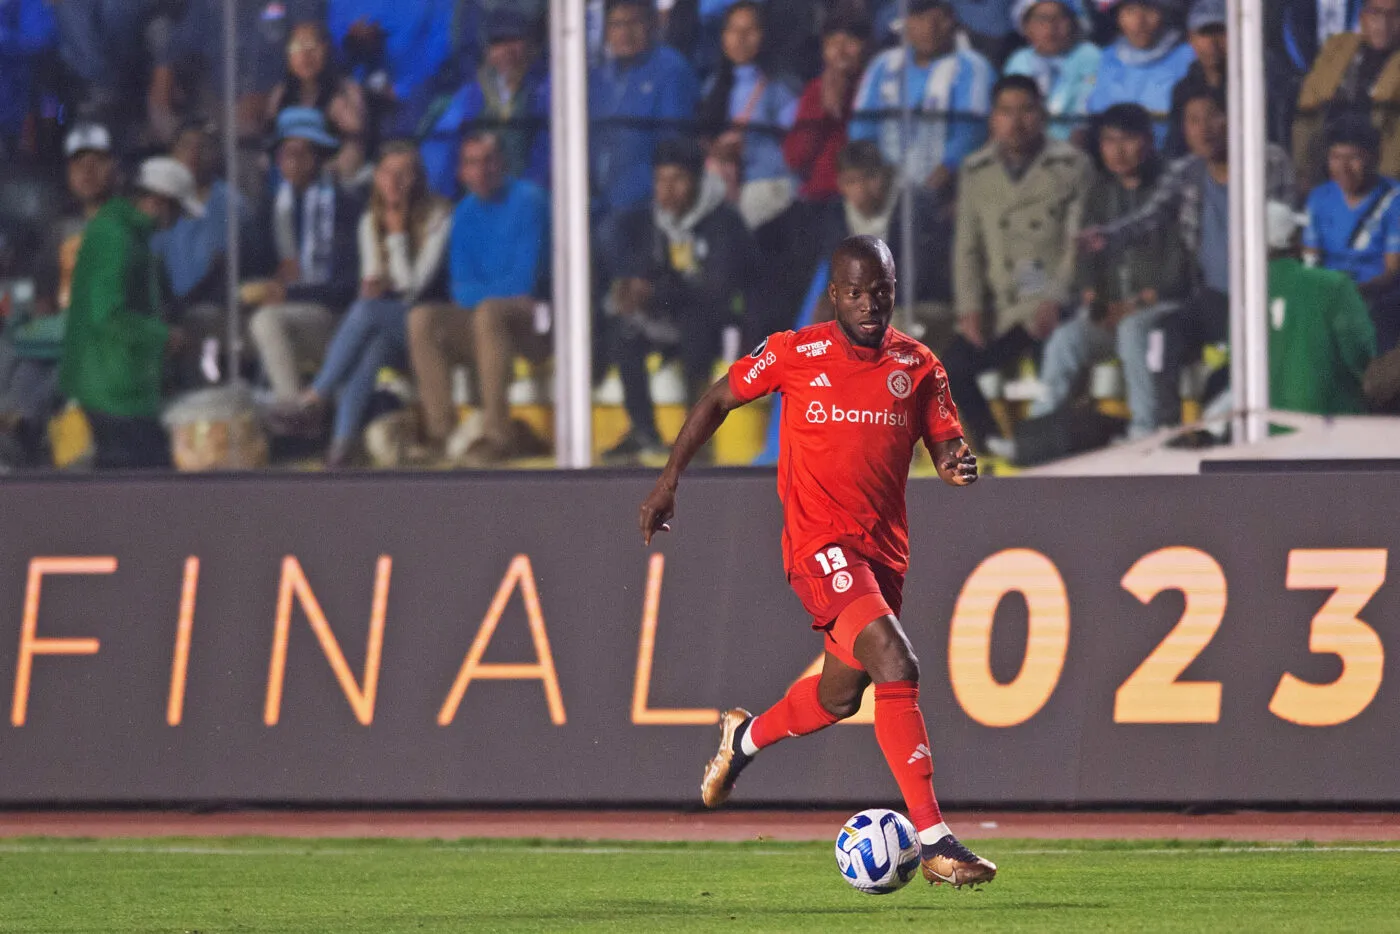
{"type": "Point", "coordinates": [862, 289]}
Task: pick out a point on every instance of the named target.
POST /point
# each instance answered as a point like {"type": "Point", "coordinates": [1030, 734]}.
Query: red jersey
{"type": "Point", "coordinates": [851, 418]}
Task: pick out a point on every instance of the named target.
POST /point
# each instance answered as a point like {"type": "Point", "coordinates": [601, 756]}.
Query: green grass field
{"type": "Point", "coordinates": [247, 884]}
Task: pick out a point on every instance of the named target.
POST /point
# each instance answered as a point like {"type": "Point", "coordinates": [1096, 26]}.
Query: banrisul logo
{"type": "Point", "coordinates": [819, 414]}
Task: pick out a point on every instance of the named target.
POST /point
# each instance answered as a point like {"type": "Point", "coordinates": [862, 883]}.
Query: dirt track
{"type": "Point", "coordinates": [676, 825]}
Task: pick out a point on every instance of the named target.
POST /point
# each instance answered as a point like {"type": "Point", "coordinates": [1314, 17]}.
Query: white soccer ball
{"type": "Point", "coordinates": [878, 851]}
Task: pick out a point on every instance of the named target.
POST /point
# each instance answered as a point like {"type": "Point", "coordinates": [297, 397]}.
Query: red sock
{"type": "Point", "coordinates": [903, 738]}
{"type": "Point", "coordinates": [799, 712]}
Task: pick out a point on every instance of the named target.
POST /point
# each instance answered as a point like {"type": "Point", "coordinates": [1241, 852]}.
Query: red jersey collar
{"type": "Point", "coordinates": [867, 354]}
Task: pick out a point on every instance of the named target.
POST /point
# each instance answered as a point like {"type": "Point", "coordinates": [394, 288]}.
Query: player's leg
{"type": "Point", "coordinates": [811, 704]}
{"type": "Point", "coordinates": [883, 650]}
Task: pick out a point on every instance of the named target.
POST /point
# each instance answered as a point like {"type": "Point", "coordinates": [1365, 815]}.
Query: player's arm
{"type": "Point", "coordinates": [956, 463]}
{"type": "Point", "coordinates": [943, 432]}
{"type": "Point", "coordinates": [700, 425]}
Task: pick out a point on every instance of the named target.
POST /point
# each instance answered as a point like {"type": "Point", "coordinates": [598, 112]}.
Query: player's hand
{"type": "Point", "coordinates": [960, 467]}
{"type": "Point", "coordinates": [657, 511]}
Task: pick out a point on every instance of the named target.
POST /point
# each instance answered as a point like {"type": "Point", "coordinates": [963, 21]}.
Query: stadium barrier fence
{"type": "Point", "coordinates": [507, 639]}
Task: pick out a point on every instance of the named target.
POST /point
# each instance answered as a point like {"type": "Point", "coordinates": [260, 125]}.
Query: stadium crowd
{"type": "Point", "coordinates": [1065, 164]}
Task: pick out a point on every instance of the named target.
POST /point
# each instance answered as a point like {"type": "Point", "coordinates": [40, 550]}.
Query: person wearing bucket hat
{"type": "Point", "coordinates": [1356, 72]}
{"type": "Point", "coordinates": [510, 91]}
{"type": "Point", "coordinates": [314, 227]}
{"type": "Point", "coordinates": [116, 341]}
{"type": "Point", "coordinates": [312, 79]}
{"type": "Point", "coordinates": [1146, 61]}
{"type": "Point", "coordinates": [1321, 338]}
{"type": "Point", "coordinates": [1059, 57]}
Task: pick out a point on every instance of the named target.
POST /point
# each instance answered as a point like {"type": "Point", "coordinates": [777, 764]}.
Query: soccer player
{"type": "Point", "coordinates": [859, 396]}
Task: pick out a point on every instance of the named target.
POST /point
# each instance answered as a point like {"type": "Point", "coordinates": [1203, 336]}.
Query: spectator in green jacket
{"type": "Point", "coordinates": [1320, 333]}
{"type": "Point", "coordinates": [115, 346]}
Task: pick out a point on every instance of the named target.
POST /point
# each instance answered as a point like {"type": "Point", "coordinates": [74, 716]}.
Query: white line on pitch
{"type": "Point", "coordinates": [448, 847]}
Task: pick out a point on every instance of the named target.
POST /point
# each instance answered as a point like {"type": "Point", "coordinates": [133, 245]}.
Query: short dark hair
{"type": "Point", "coordinates": [1023, 83]}
{"type": "Point", "coordinates": [611, 5]}
{"type": "Point", "coordinates": [861, 246]}
{"type": "Point", "coordinates": [1125, 118]}
{"type": "Point", "coordinates": [861, 155]}
{"type": "Point", "coordinates": [923, 6]}
{"type": "Point", "coordinates": [680, 151]}
{"type": "Point", "coordinates": [1204, 93]}
{"type": "Point", "coordinates": [1353, 130]}
{"type": "Point", "coordinates": [848, 22]}
{"type": "Point", "coordinates": [481, 136]}
{"type": "Point", "coordinates": [750, 5]}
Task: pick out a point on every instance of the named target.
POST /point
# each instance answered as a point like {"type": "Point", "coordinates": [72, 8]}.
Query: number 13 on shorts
{"type": "Point", "coordinates": [831, 559]}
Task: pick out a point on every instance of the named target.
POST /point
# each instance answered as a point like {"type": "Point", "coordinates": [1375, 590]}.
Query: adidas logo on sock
{"type": "Point", "coordinates": [822, 381]}
{"type": "Point", "coordinates": [920, 752]}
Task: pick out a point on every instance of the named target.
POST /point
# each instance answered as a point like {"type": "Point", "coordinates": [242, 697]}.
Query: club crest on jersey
{"type": "Point", "coordinates": [841, 581]}
{"type": "Point", "coordinates": [814, 349]}
{"type": "Point", "coordinates": [900, 384]}
{"type": "Point", "coordinates": [758, 351]}
{"type": "Point", "coordinates": [816, 413]}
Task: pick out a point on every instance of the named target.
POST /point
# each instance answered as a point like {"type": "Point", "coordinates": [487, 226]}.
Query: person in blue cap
{"type": "Point", "coordinates": [314, 224]}
{"type": "Point", "coordinates": [509, 95]}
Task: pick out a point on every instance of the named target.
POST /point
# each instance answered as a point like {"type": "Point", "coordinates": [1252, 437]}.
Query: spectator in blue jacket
{"type": "Point", "coordinates": [1146, 62]}
{"type": "Point", "coordinates": [1354, 222]}
{"type": "Point", "coordinates": [747, 112]}
{"type": "Point", "coordinates": [499, 246]}
{"type": "Point", "coordinates": [27, 28]}
{"type": "Point", "coordinates": [395, 48]}
{"type": "Point", "coordinates": [948, 87]}
{"type": "Point", "coordinates": [1060, 59]}
{"type": "Point", "coordinates": [640, 94]}
{"type": "Point", "coordinates": [509, 94]}
{"type": "Point", "coordinates": [193, 250]}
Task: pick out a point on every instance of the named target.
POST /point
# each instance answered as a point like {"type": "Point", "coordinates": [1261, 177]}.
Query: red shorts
{"type": "Point", "coordinates": [845, 592]}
